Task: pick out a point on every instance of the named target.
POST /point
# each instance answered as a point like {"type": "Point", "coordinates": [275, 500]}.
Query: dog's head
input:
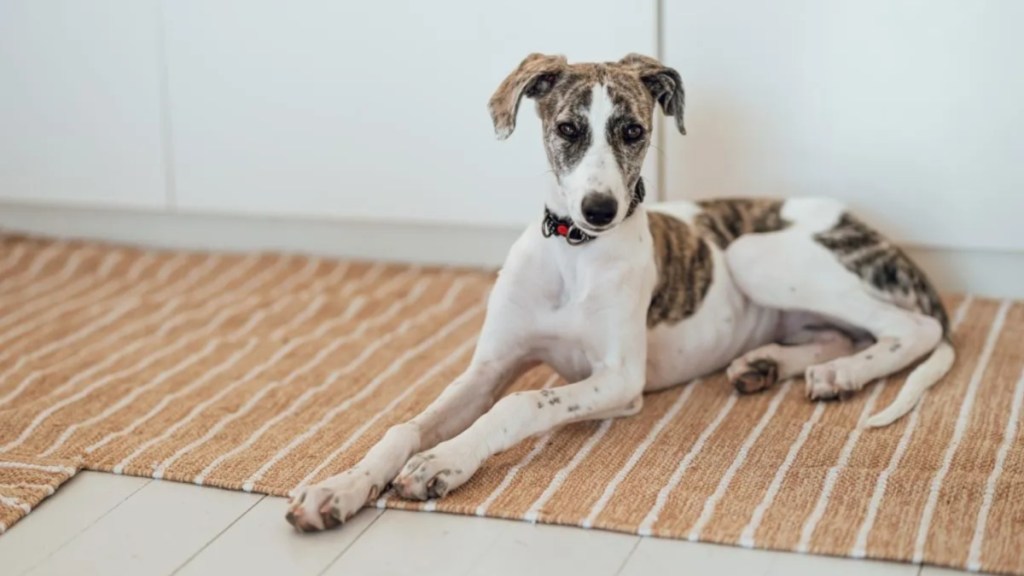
{"type": "Point", "coordinates": [597, 122]}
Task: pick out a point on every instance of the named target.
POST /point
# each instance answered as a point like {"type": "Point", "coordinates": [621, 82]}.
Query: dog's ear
{"type": "Point", "coordinates": [663, 83]}
{"type": "Point", "coordinates": [534, 78]}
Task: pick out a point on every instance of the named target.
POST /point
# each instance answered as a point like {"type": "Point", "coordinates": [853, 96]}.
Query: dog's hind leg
{"type": "Point", "coordinates": [761, 368]}
{"type": "Point", "coordinates": [791, 270]}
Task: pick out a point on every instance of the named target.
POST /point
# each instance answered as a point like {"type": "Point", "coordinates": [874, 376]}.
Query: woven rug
{"type": "Point", "coordinates": [260, 372]}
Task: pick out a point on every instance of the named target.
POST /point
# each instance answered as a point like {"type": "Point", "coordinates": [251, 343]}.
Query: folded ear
{"type": "Point", "coordinates": [534, 77]}
{"type": "Point", "coordinates": [663, 83]}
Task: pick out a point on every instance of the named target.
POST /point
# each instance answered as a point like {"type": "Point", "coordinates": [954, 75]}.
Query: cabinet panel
{"type": "Point", "coordinates": [370, 110]}
{"type": "Point", "coordinates": [80, 103]}
{"type": "Point", "coordinates": [909, 110]}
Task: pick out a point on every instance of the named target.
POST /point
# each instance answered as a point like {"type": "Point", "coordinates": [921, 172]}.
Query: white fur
{"type": "Point", "coordinates": [597, 171]}
{"type": "Point", "coordinates": [921, 379]}
{"type": "Point", "coordinates": [583, 311]}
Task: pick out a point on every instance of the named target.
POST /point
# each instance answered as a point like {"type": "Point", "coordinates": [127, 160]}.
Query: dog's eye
{"type": "Point", "coordinates": [568, 130]}
{"type": "Point", "coordinates": [633, 132]}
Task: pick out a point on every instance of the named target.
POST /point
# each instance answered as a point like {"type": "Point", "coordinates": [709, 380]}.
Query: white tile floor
{"type": "Point", "coordinates": [101, 524]}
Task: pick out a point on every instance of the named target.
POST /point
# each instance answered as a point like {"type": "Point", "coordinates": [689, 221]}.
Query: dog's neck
{"type": "Point", "coordinates": [562, 226]}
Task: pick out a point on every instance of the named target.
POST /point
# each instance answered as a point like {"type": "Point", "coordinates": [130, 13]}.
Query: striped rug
{"type": "Point", "coordinates": [261, 372]}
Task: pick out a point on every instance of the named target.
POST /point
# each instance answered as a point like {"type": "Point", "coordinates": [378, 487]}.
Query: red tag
{"type": "Point", "coordinates": [562, 230]}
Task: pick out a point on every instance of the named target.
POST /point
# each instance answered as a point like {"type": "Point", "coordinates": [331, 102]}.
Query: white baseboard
{"type": "Point", "coordinates": [990, 273]}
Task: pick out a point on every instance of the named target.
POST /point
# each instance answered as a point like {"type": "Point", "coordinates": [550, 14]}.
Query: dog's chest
{"type": "Point", "coordinates": [580, 305]}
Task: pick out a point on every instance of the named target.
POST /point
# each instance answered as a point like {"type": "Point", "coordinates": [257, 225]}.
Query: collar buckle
{"type": "Point", "coordinates": [574, 236]}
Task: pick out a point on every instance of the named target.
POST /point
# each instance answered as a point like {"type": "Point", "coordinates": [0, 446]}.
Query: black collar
{"type": "Point", "coordinates": [564, 226]}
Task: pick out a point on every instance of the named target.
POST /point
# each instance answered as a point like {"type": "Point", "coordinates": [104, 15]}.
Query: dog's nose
{"type": "Point", "coordinates": [600, 208]}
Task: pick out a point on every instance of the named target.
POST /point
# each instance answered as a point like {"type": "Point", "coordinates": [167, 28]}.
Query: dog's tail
{"type": "Point", "coordinates": [920, 380]}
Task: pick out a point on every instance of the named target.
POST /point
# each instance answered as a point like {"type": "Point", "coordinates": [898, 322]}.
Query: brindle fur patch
{"type": "Point", "coordinates": [727, 219]}
{"type": "Point", "coordinates": [569, 100]}
{"type": "Point", "coordinates": [685, 270]}
{"type": "Point", "coordinates": [563, 93]}
{"type": "Point", "coordinates": [880, 263]}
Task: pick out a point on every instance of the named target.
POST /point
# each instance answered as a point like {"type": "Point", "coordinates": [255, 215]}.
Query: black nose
{"type": "Point", "coordinates": [599, 208]}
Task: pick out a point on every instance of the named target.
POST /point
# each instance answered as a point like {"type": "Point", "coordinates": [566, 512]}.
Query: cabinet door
{"type": "Point", "coordinates": [370, 110]}
{"type": "Point", "coordinates": [80, 103]}
{"type": "Point", "coordinates": [911, 110]}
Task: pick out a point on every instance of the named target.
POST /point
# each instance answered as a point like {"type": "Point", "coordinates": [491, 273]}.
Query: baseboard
{"type": "Point", "coordinates": [983, 272]}
{"type": "Point", "coordinates": [403, 242]}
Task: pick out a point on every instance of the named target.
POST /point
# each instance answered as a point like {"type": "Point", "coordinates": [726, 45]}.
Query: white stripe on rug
{"type": "Point", "coordinates": [712, 501]}
{"type": "Point", "coordinates": [281, 352]}
{"type": "Point", "coordinates": [156, 317]}
{"type": "Point", "coordinates": [1009, 437]}
{"type": "Point", "coordinates": [450, 327]}
{"type": "Point", "coordinates": [41, 299]}
{"type": "Point", "coordinates": [538, 447]}
{"type": "Point", "coordinates": [44, 487]}
{"type": "Point", "coordinates": [963, 418]}
{"type": "Point", "coordinates": [166, 401]}
{"type": "Point", "coordinates": [626, 468]}
{"type": "Point", "coordinates": [556, 482]}
{"type": "Point", "coordinates": [127, 399]}
{"type": "Point", "coordinates": [40, 467]}
{"type": "Point", "coordinates": [832, 476]}
{"type": "Point", "coordinates": [16, 503]}
{"type": "Point", "coordinates": [111, 317]}
{"type": "Point", "coordinates": [251, 374]}
{"type": "Point", "coordinates": [647, 524]}
{"type": "Point", "coordinates": [365, 355]}
{"type": "Point", "coordinates": [39, 261]}
{"type": "Point", "coordinates": [747, 536]}
{"type": "Point", "coordinates": [859, 549]}
{"type": "Point", "coordinates": [13, 257]}
{"type": "Point", "coordinates": [140, 365]}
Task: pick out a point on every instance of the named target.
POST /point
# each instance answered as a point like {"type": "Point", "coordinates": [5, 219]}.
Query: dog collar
{"type": "Point", "coordinates": [557, 226]}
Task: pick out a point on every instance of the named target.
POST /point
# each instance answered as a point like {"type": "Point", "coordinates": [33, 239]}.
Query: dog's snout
{"type": "Point", "coordinates": [599, 208]}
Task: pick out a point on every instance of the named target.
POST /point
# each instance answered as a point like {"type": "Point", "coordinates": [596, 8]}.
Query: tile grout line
{"type": "Point", "coordinates": [147, 482]}
{"type": "Point", "coordinates": [216, 536]}
{"type": "Point", "coordinates": [352, 543]}
{"type": "Point", "coordinates": [629, 555]}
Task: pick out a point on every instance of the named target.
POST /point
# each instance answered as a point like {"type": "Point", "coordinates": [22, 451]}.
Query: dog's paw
{"type": "Point", "coordinates": [433, 474]}
{"type": "Point", "coordinates": [829, 381]}
{"type": "Point", "coordinates": [330, 503]}
{"type": "Point", "coordinates": [754, 375]}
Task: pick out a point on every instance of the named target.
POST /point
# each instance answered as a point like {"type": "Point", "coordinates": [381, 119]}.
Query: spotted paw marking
{"type": "Point", "coordinates": [432, 475]}
{"type": "Point", "coordinates": [331, 502]}
{"type": "Point", "coordinates": [750, 376]}
{"type": "Point", "coordinates": [829, 381]}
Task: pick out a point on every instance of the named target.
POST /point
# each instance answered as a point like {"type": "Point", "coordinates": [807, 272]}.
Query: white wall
{"type": "Point", "coordinates": [374, 112]}
{"type": "Point", "coordinates": [912, 110]}
{"type": "Point", "coordinates": [314, 108]}
{"type": "Point", "coordinates": [80, 115]}
{"type": "Point", "coordinates": [368, 110]}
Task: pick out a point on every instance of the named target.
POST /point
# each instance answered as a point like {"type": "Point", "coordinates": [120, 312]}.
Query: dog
{"type": "Point", "coordinates": [621, 299]}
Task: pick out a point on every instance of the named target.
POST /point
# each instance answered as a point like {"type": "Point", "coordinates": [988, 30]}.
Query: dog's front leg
{"type": "Point", "coordinates": [609, 392]}
{"type": "Point", "coordinates": [500, 358]}
{"type": "Point", "coordinates": [612, 332]}
{"type": "Point", "coordinates": [332, 501]}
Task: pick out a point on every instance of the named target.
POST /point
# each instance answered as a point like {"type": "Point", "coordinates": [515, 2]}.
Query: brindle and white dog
{"type": "Point", "coordinates": [621, 299]}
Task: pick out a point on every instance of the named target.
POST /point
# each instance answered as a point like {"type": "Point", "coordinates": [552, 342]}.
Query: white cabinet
{"type": "Point", "coordinates": [913, 111]}
{"type": "Point", "coordinates": [370, 110]}
{"type": "Point", "coordinates": [376, 111]}
{"type": "Point", "coordinates": [80, 118]}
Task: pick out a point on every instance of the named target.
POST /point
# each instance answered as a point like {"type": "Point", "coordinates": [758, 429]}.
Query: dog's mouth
{"type": "Point", "coordinates": [594, 230]}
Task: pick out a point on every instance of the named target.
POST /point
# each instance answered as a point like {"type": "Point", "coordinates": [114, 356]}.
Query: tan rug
{"type": "Point", "coordinates": [261, 372]}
